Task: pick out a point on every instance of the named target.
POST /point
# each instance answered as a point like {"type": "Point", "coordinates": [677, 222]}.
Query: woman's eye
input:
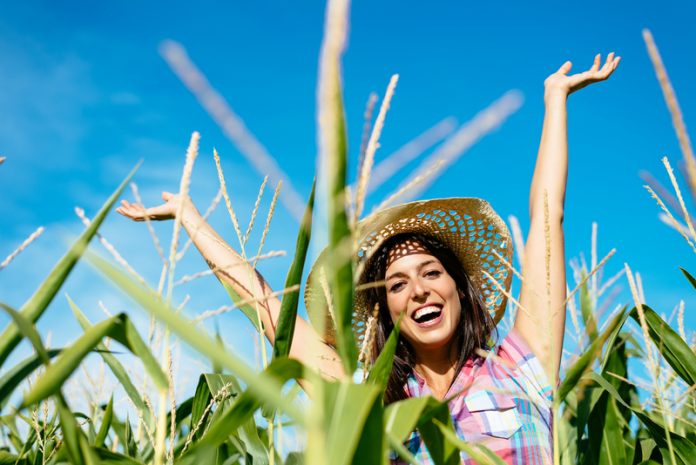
{"type": "Point", "coordinates": [396, 287]}
{"type": "Point", "coordinates": [433, 273]}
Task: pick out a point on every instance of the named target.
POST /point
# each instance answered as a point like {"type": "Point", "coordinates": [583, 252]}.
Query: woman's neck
{"type": "Point", "coordinates": [437, 368]}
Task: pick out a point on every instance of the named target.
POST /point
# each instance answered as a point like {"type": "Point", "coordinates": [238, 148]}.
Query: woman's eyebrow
{"type": "Point", "coordinates": [401, 274]}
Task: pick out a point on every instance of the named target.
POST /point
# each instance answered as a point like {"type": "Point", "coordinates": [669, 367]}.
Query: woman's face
{"type": "Point", "coordinates": [418, 286]}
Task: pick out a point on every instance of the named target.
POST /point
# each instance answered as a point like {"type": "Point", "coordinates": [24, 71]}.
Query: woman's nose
{"type": "Point", "coordinates": [419, 289]}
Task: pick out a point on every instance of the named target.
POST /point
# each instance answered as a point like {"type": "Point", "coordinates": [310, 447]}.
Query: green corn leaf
{"type": "Point", "coordinates": [343, 433]}
{"type": "Point", "coordinates": [105, 424]}
{"type": "Point", "coordinates": [199, 409]}
{"type": "Point", "coordinates": [611, 340]}
{"type": "Point", "coordinates": [226, 388]}
{"type": "Point", "coordinates": [607, 424]}
{"type": "Point", "coordinates": [9, 459]}
{"type": "Point", "coordinates": [253, 444]}
{"type": "Point", "coordinates": [218, 337]}
{"type": "Point", "coordinates": [434, 416]}
{"type": "Point", "coordinates": [56, 374]}
{"type": "Point", "coordinates": [27, 329]}
{"type": "Point", "coordinates": [246, 308]}
{"type": "Point", "coordinates": [685, 450]}
{"type": "Point", "coordinates": [400, 449]}
{"type": "Point", "coordinates": [285, 328]}
{"type": "Point", "coordinates": [12, 379]}
{"type": "Point", "coordinates": [672, 347]}
{"type": "Point", "coordinates": [217, 383]}
{"type": "Point", "coordinates": [108, 457]}
{"type": "Point", "coordinates": [69, 430]}
{"type": "Point", "coordinates": [130, 446]}
{"type": "Point", "coordinates": [688, 275]}
{"type": "Point", "coordinates": [605, 432]}
{"type": "Point", "coordinates": [372, 445]}
{"type": "Point", "coordinates": [334, 151]}
{"type": "Point", "coordinates": [587, 310]}
{"type": "Point", "coordinates": [480, 453]}
{"type": "Point", "coordinates": [37, 304]}
{"type": "Point", "coordinates": [380, 371]}
{"type": "Point", "coordinates": [266, 389]}
{"type": "Point", "coordinates": [116, 367]}
{"type": "Point", "coordinates": [584, 363]}
{"type": "Point", "coordinates": [295, 458]}
{"type": "Point", "coordinates": [281, 370]}
{"type": "Point", "coordinates": [120, 329]}
{"type": "Point", "coordinates": [74, 439]}
{"type": "Point", "coordinates": [401, 417]}
{"type": "Point", "coordinates": [128, 335]}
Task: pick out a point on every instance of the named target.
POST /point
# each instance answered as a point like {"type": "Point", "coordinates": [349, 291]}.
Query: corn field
{"type": "Point", "coordinates": [604, 414]}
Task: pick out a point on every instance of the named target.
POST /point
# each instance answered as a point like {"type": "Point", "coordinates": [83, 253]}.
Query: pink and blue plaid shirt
{"type": "Point", "coordinates": [505, 404]}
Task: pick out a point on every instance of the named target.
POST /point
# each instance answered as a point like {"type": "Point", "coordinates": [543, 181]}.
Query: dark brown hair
{"type": "Point", "coordinates": [475, 326]}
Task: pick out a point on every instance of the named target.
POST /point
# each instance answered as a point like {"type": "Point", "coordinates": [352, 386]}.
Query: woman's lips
{"type": "Point", "coordinates": [433, 322]}
{"type": "Point", "coordinates": [430, 309]}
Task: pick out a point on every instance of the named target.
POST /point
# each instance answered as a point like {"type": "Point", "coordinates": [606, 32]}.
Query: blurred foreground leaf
{"type": "Point", "coordinates": [37, 304]}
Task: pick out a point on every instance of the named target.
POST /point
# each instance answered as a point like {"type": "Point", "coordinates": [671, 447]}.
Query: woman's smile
{"type": "Point", "coordinates": [428, 315]}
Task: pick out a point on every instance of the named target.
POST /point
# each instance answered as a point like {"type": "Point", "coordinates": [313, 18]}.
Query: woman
{"type": "Point", "coordinates": [442, 266]}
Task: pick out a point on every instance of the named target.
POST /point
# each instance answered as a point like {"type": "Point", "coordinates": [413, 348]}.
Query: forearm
{"type": "Point", "coordinates": [551, 170]}
{"type": "Point", "coordinates": [232, 269]}
{"type": "Point", "coordinates": [543, 294]}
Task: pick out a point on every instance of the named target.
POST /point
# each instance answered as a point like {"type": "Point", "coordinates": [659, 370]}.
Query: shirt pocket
{"type": "Point", "coordinates": [495, 413]}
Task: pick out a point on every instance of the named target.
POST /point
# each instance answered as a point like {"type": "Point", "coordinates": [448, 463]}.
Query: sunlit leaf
{"type": "Point", "coordinates": [684, 449]}
{"type": "Point", "coordinates": [380, 371]}
{"type": "Point", "coordinates": [672, 347]}
{"type": "Point", "coordinates": [105, 424]}
{"type": "Point", "coordinates": [285, 328]}
{"type": "Point", "coordinates": [117, 327]}
{"type": "Point", "coordinates": [688, 275]}
{"type": "Point", "coordinates": [343, 435]}
{"type": "Point", "coordinates": [266, 389]}
{"type": "Point", "coordinates": [37, 304]}
{"type": "Point", "coordinates": [585, 361]}
{"type": "Point", "coordinates": [116, 367]}
{"type": "Point", "coordinates": [480, 453]}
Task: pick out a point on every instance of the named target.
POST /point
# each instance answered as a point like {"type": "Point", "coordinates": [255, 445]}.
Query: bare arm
{"type": "Point", "coordinates": [542, 320]}
{"type": "Point", "coordinates": [232, 269]}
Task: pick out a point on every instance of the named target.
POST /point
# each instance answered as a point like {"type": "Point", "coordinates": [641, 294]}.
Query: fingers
{"type": "Point", "coordinates": [597, 61]}
{"type": "Point", "coordinates": [609, 66]}
{"type": "Point", "coordinates": [131, 210]}
{"type": "Point", "coordinates": [565, 67]}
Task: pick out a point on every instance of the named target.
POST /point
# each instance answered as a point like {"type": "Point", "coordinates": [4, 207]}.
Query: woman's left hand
{"type": "Point", "coordinates": [560, 83]}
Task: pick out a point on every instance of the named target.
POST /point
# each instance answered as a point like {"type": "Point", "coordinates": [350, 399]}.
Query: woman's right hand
{"type": "Point", "coordinates": [166, 211]}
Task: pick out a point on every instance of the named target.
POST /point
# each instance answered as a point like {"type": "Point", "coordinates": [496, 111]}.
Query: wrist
{"type": "Point", "coordinates": [189, 211]}
{"type": "Point", "coordinates": [555, 95]}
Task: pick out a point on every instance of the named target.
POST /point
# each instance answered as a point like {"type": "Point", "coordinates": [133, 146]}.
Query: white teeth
{"type": "Point", "coordinates": [425, 311]}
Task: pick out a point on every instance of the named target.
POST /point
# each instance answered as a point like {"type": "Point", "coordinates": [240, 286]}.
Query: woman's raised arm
{"type": "Point", "coordinates": [543, 292]}
{"type": "Point", "coordinates": [232, 269]}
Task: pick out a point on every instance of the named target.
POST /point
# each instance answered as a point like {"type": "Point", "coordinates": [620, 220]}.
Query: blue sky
{"type": "Point", "coordinates": [85, 94]}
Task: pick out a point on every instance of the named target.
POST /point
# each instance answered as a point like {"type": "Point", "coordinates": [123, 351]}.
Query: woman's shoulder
{"type": "Point", "coordinates": [515, 359]}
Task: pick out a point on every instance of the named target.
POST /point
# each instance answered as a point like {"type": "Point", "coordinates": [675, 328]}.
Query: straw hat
{"type": "Point", "coordinates": [469, 227]}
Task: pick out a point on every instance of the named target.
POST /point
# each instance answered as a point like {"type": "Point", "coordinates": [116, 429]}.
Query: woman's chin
{"type": "Point", "coordinates": [432, 340]}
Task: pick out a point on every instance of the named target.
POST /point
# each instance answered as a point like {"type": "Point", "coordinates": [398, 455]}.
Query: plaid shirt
{"type": "Point", "coordinates": [504, 403]}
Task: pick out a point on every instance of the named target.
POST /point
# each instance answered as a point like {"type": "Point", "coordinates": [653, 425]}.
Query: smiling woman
{"type": "Point", "coordinates": [441, 267]}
